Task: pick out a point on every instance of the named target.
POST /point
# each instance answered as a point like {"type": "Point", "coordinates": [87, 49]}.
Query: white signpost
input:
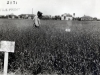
{"type": "Point", "coordinates": [7, 46]}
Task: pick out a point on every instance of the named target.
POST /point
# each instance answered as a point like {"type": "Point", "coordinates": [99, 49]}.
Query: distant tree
{"type": "Point", "coordinates": [57, 18]}
{"type": "Point", "coordinates": [2, 16]}
{"type": "Point", "coordinates": [98, 19]}
{"type": "Point", "coordinates": [46, 17]}
{"type": "Point", "coordinates": [73, 14]}
{"type": "Point", "coordinates": [77, 18]}
{"type": "Point", "coordinates": [95, 19]}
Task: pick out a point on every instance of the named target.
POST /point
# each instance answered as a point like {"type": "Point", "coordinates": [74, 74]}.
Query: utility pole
{"type": "Point", "coordinates": [32, 10]}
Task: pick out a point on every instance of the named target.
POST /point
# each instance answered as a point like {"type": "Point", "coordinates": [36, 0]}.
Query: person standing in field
{"type": "Point", "coordinates": [37, 18]}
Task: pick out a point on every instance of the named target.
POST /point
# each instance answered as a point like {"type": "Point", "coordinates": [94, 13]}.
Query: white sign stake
{"type": "Point", "coordinates": [6, 46]}
{"type": "Point", "coordinates": [6, 63]}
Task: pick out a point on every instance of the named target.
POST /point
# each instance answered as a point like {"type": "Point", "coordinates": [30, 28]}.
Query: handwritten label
{"type": "Point", "coordinates": [11, 2]}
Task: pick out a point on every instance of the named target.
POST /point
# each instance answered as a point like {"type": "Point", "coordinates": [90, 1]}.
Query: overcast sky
{"type": "Point", "coordinates": [53, 7]}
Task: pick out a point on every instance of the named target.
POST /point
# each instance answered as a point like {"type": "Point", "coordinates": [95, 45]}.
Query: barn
{"type": "Point", "coordinates": [66, 17]}
{"type": "Point", "coordinates": [86, 18]}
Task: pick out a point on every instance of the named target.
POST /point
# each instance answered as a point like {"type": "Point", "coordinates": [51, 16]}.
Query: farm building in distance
{"type": "Point", "coordinates": [66, 17]}
{"type": "Point", "coordinates": [26, 16]}
{"type": "Point", "coordinates": [11, 16]}
{"type": "Point", "coordinates": [86, 18]}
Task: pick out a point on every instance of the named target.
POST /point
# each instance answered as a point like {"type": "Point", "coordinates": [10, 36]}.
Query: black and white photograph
{"type": "Point", "coordinates": [49, 37]}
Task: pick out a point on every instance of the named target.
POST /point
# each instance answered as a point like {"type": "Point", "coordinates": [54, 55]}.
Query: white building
{"type": "Point", "coordinates": [66, 17]}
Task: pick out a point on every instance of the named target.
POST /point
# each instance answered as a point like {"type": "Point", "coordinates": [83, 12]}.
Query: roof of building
{"type": "Point", "coordinates": [67, 15]}
{"type": "Point", "coordinates": [86, 16]}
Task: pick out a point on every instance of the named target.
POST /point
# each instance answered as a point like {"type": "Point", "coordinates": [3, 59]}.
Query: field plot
{"type": "Point", "coordinates": [50, 49]}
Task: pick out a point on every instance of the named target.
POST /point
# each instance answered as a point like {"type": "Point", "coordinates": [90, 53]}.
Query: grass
{"type": "Point", "coordinates": [50, 49]}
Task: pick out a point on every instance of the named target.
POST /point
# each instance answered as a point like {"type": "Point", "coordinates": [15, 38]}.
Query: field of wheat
{"type": "Point", "coordinates": [49, 49]}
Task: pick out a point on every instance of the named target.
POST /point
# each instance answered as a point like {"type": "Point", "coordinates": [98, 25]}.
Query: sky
{"type": "Point", "coordinates": [52, 7]}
